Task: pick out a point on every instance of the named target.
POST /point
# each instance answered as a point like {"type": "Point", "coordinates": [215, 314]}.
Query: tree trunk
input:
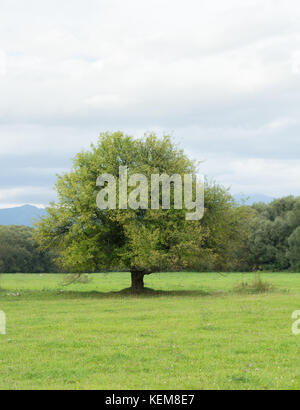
{"type": "Point", "coordinates": [137, 281]}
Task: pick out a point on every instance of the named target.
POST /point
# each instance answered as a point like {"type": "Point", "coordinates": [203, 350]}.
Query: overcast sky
{"type": "Point", "coordinates": [223, 77]}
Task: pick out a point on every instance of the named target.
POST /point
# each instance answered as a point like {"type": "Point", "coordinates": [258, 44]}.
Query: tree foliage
{"type": "Point", "coordinates": [140, 241]}
{"type": "Point", "coordinates": [20, 253]}
{"type": "Point", "coordinates": [274, 243]}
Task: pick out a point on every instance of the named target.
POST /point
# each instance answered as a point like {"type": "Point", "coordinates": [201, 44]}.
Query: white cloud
{"type": "Point", "coordinates": [269, 177]}
{"type": "Point", "coordinates": [30, 194]}
{"type": "Point", "coordinates": [3, 63]}
{"type": "Point", "coordinates": [43, 141]}
{"type": "Point", "coordinates": [295, 61]}
{"type": "Point", "coordinates": [221, 75]}
{"type": "Point", "coordinates": [107, 101]}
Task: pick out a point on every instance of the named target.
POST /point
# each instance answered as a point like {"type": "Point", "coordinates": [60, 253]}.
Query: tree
{"type": "Point", "coordinates": [274, 242]}
{"type": "Point", "coordinates": [141, 241]}
{"type": "Point", "coordinates": [19, 252]}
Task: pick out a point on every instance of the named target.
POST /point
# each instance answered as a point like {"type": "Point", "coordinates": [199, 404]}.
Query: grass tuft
{"type": "Point", "coordinates": [258, 285]}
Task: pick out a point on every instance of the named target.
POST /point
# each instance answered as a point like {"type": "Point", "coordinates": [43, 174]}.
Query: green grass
{"type": "Point", "coordinates": [202, 331]}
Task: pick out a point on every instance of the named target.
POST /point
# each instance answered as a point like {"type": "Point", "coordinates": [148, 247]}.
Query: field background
{"type": "Point", "coordinates": [197, 332]}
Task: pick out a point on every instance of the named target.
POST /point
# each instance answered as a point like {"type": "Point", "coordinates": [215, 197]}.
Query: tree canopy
{"type": "Point", "coordinates": [20, 253]}
{"type": "Point", "coordinates": [274, 243]}
{"type": "Point", "coordinates": [140, 241]}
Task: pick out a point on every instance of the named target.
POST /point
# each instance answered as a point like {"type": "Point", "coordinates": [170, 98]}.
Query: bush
{"type": "Point", "coordinates": [256, 286]}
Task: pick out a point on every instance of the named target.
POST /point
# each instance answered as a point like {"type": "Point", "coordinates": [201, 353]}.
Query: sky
{"type": "Point", "coordinates": [221, 77]}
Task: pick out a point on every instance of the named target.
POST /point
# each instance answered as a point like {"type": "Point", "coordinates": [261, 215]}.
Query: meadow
{"type": "Point", "coordinates": [192, 331]}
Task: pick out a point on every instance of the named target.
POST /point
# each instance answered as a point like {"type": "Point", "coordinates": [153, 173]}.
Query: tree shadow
{"type": "Point", "coordinates": [124, 293]}
{"type": "Point", "coordinates": [129, 293]}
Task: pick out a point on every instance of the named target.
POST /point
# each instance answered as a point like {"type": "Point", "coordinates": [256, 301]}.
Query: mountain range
{"type": "Point", "coordinates": [21, 215]}
{"type": "Point", "coordinates": [28, 214]}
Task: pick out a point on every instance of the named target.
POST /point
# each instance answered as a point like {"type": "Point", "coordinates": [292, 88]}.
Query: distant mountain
{"type": "Point", "coordinates": [252, 199]}
{"type": "Point", "coordinates": [22, 215]}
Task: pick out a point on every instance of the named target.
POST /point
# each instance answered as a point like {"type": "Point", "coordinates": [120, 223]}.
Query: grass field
{"type": "Point", "coordinates": [198, 333]}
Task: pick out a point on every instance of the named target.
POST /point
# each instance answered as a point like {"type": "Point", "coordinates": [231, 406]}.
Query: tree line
{"type": "Point", "coordinates": [274, 241]}
{"type": "Point", "coordinates": [20, 253]}
{"type": "Point", "coordinates": [266, 237]}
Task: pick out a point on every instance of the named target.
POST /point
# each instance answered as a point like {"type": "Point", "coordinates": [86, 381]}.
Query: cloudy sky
{"type": "Point", "coordinates": [223, 77]}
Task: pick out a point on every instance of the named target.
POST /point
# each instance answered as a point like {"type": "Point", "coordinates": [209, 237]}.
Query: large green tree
{"type": "Point", "coordinates": [140, 241]}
